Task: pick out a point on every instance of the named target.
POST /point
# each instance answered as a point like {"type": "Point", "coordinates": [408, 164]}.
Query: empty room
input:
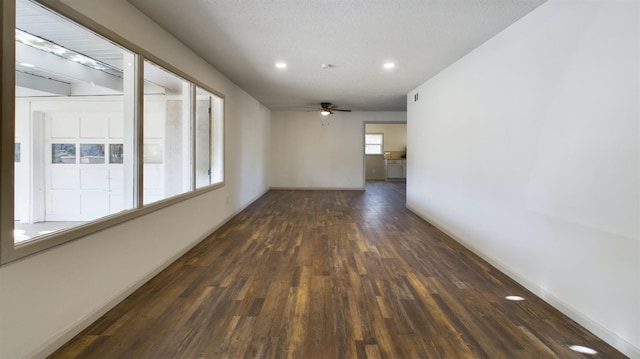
{"type": "Point", "coordinates": [320, 179]}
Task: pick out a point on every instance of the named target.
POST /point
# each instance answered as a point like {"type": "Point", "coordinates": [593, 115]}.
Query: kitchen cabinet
{"type": "Point", "coordinates": [395, 169]}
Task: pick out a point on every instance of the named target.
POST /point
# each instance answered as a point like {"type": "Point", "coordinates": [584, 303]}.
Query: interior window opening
{"type": "Point", "coordinates": [209, 141]}
{"type": "Point", "coordinates": [83, 158]}
{"type": "Point", "coordinates": [72, 132]}
{"type": "Point", "coordinates": [167, 135]}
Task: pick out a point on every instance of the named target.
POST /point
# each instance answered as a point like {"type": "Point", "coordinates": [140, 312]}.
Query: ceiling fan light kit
{"type": "Point", "coordinates": [327, 108]}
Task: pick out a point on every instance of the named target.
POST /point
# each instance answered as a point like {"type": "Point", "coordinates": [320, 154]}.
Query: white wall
{"type": "Point", "coordinates": [527, 151]}
{"type": "Point", "coordinates": [48, 297]}
{"type": "Point", "coordinates": [313, 151]}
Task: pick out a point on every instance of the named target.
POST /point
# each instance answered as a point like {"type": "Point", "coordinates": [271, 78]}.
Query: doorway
{"type": "Point", "coordinates": [385, 151]}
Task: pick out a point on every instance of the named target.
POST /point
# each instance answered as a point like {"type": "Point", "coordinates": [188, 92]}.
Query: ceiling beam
{"type": "Point", "coordinates": [57, 65]}
{"type": "Point", "coordinates": [42, 84]}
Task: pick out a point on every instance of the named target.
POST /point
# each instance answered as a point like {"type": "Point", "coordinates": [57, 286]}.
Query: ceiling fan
{"type": "Point", "coordinates": [326, 109]}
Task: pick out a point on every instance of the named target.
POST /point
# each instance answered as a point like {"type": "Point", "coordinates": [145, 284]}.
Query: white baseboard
{"type": "Point", "coordinates": [76, 328]}
{"type": "Point", "coordinates": [317, 188]}
{"type": "Point", "coordinates": [603, 333]}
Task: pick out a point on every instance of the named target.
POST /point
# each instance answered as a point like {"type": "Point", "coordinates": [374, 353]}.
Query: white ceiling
{"type": "Point", "coordinates": [244, 39]}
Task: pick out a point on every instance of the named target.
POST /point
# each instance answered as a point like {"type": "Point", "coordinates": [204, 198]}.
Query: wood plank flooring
{"type": "Point", "coordinates": [331, 274]}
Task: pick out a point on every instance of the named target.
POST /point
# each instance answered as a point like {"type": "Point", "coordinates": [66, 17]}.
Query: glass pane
{"type": "Point", "coordinates": [208, 138]}
{"type": "Point", "coordinates": [167, 135]}
{"type": "Point", "coordinates": [116, 153]}
{"type": "Point", "coordinates": [203, 137]}
{"type": "Point", "coordinates": [373, 139]}
{"type": "Point", "coordinates": [63, 153]}
{"type": "Point", "coordinates": [373, 149]}
{"type": "Point", "coordinates": [71, 95]}
{"type": "Point", "coordinates": [92, 153]}
{"type": "Point", "coordinates": [16, 153]}
{"type": "Point", "coordinates": [217, 141]}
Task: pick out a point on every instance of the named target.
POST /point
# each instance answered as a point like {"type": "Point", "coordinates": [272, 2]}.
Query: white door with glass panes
{"type": "Point", "coordinates": [83, 156]}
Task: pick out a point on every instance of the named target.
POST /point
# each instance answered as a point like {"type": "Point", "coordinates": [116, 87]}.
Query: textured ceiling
{"type": "Point", "coordinates": [244, 39]}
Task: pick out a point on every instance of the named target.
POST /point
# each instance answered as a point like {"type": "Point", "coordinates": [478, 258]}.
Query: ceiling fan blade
{"type": "Point", "coordinates": [337, 109]}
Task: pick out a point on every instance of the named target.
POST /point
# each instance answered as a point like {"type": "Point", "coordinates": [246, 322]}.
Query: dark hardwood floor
{"type": "Point", "coordinates": [331, 274]}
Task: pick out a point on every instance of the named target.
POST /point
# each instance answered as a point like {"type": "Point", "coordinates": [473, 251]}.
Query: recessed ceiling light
{"type": "Point", "coordinates": [281, 65]}
{"type": "Point", "coordinates": [327, 66]}
{"type": "Point", "coordinates": [389, 65]}
{"type": "Point", "coordinates": [515, 298]}
{"type": "Point", "coordinates": [582, 349]}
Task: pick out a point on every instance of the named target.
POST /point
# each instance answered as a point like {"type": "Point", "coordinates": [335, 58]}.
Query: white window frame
{"type": "Point", "coordinates": [9, 251]}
